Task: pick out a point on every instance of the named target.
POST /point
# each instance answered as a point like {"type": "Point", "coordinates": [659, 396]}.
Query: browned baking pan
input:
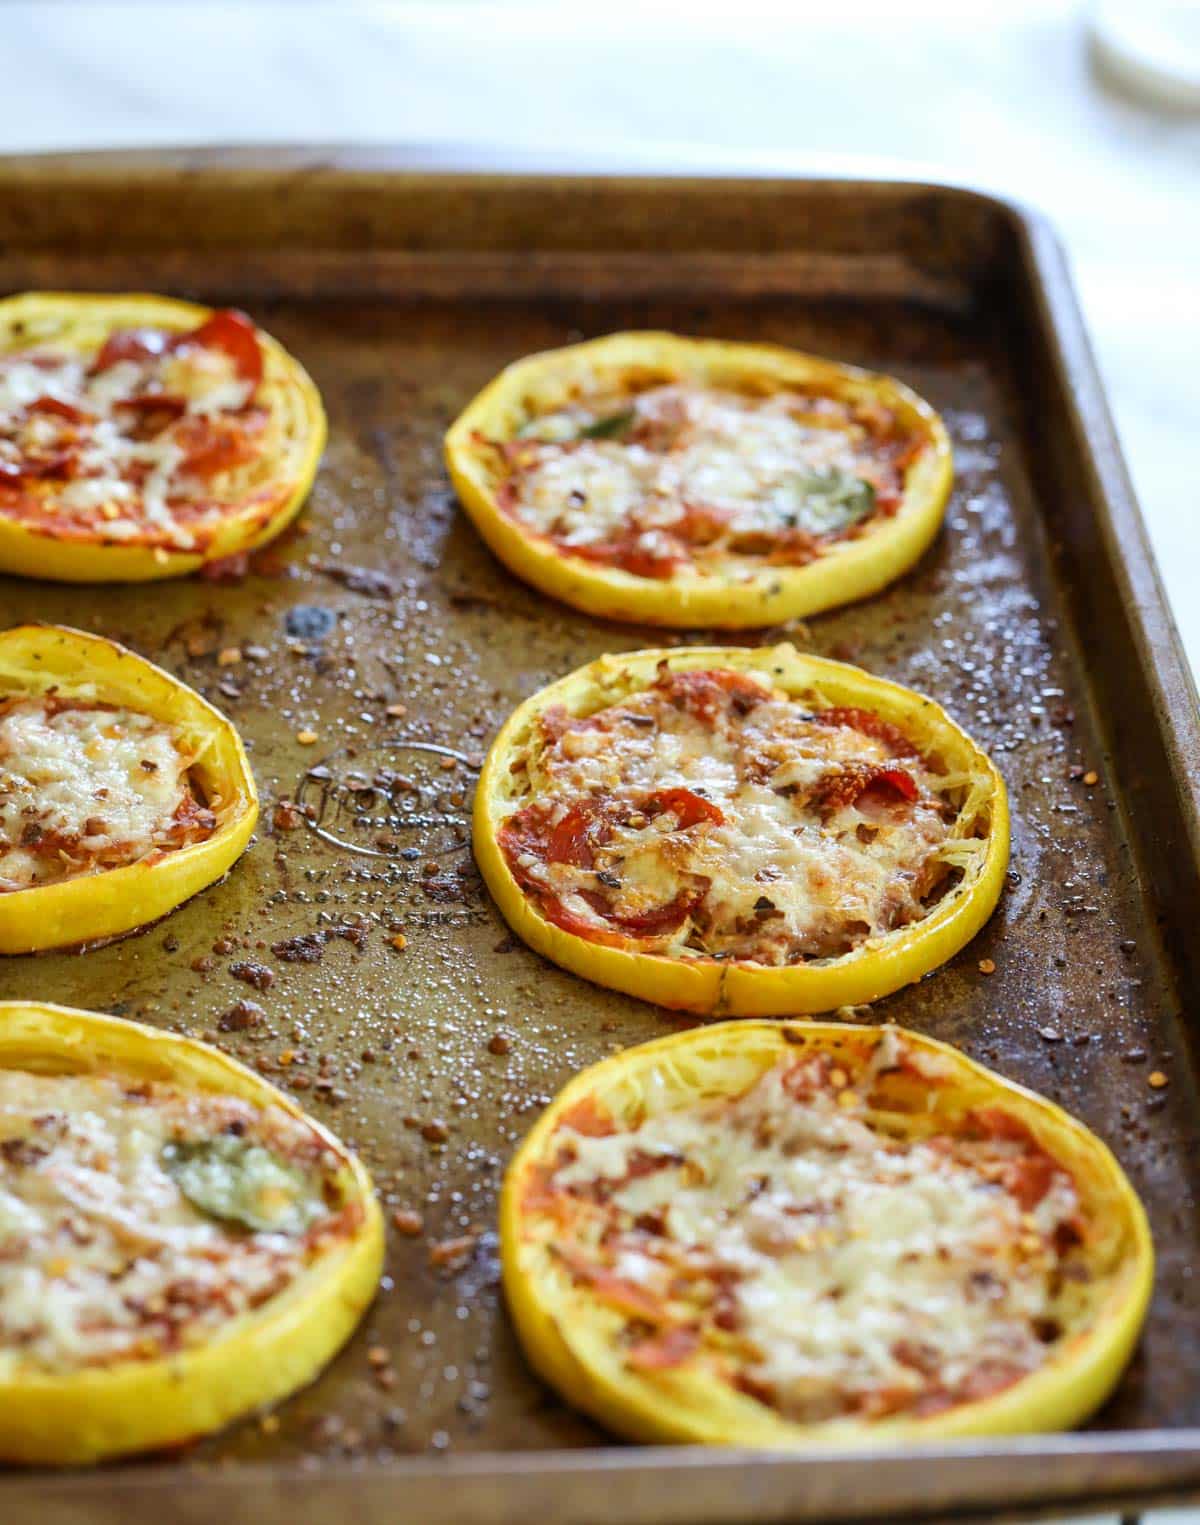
{"type": "Point", "coordinates": [1037, 619]}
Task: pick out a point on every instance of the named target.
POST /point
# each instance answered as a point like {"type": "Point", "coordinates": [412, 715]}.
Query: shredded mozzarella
{"type": "Point", "coordinates": [123, 484]}
{"type": "Point", "coordinates": [869, 1273]}
{"type": "Point", "coordinates": [102, 1257]}
{"type": "Point", "coordinates": [748, 462]}
{"type": "Point", "coordinates": [781, 876]}
{"type": "Point", "coordinates": [94, 783]}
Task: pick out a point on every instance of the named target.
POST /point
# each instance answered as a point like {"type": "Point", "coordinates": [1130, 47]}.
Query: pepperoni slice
{"type": "Point", "coordinates": [59, 409]}
{"type": "Point", "coordinates": [708, 693]}
{"type": "Point", "coordinates": [629, 555]}
{"type": "Point", "coordinates": [617, 1291]}
{"type": "Point", "coordinates": [166, 403]}
{"type": "Point", "coordinates": [701, 523]}
{"type": "Point", "coordinates": [227, 330]}
{"type": "Point", "coordinates": [137, 344]}
{"type": "Point", "coordinates": [689, 808]}
{"type": "Point", "coordinates": [574, 836]}
{"type": "Point", "coordinates": [213, 443]}
{"type": "Point", "coordinates": [235, 333]}
{"type": "Point", "coordinates": [655, 922]}
{"type": "Point", "coordinates": [662, 1351]}
{"type": "Point", "coordinates": [1029, 1178]}
{"type": "Point", "coordinates": [586, 1117]}
{"type": "Point", "coordinates": [997, 1123]}
{"type": "Point", "coordinates": [870, 724]}
{"type": "Point", "coordinates": [572, 839]}
{"type": "Point", "coordinates": [838, 790]}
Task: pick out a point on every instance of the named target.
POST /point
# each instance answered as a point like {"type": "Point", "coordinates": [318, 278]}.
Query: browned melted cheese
{"type": "Point", "coordinates": [791, 1244]}
{"type": "Point", "coordinates": [710, 816]}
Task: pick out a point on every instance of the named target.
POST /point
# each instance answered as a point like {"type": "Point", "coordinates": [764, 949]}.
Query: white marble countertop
{"type": "Point", "coordinates": [997, 94]}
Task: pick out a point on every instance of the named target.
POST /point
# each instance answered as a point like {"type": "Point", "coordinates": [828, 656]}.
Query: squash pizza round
{"type": "Point", "coordinates": [696, 482]}
{"type": "Point", "coordinates": [753, 833]}
{"type": "Point", "coordinates": [122, 791]}
{"type": "Point", "coordinates": [142, 437]}
{"type": "Point", "coordinates": [179, 1243]}
{"type": "Point", "coordinates": [819, 1235]}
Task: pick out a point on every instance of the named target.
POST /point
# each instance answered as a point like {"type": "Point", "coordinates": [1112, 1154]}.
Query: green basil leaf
{"type": "Point", "coordinates": [827, 499]}
{"type": "Point", "coordinates": [238, 1181]}
{"type": "Point", "coordinates": [606, 428]}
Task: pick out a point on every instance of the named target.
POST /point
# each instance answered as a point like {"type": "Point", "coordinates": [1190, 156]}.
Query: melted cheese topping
{"type": "Point", "coordinates": [83, 789]}
{"type": "Point", "coordinates": [828, 1265]}
{"type": "Point", "coordinates": [121, 479]}
{"type": "Point", "coordinates": [797, 864]}
{"type": "Point", "coordinates": [692, 474]}
{"type": "Point", "coordinates": [103, 1258]}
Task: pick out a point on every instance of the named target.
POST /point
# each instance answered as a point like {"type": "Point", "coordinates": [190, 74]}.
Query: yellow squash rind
{"type": "Point", "coordinates": [76, 321]}
{"type": "Point", "coordinates": [846, 570]}
{"type": "Point", "coordinates": [264, 1355]}
{"type": "Point", "coordinates": [568, 1336]}
{"type": "Point", "coordinates": [878, 967]}
{"type": "Point", "coordinates": [95, 907]}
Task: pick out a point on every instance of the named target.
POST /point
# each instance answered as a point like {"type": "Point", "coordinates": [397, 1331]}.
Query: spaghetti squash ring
{"type": "Point", "coordinates": [819, 1235]}
{"type": "Point", "coordinates": [122, 792]}
{"type": "Point", "coordinates": [142, 437]}
{"type": "Point", "coordinates": [695, 482]}
{"type": "Point", "coordinates": [740, 832]}
{"type": "Point", "coordinates": [180, 1244]}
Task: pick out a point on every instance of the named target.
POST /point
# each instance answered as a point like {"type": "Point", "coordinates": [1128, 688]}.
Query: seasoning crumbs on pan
{"type": "Point", "coordinates": [987, 966]}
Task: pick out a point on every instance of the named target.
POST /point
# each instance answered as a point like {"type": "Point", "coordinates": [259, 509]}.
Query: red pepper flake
{"type": "Point", "coordinates": [453, 1252]}
{"type": "Point", "coordinates": [238, 1018]}
{"type": "Point", "coordinates": [499, 1043]}
{"type": "Point", "coordinates": [257, 975]}
{"type": "Point", "coordinates": [435, 1132]}
{"type": "Point", "coordinates": [408, 1222]}
{"type": "Point", "coordinates": [287, 816]}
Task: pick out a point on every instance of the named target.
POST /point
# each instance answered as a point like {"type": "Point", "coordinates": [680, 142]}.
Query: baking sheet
{"type": "Point", "coordinates": [1036, 620]}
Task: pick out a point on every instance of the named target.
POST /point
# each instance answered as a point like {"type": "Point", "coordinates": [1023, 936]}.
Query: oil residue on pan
{"type": "Point", "coordinates": [353, 955]}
